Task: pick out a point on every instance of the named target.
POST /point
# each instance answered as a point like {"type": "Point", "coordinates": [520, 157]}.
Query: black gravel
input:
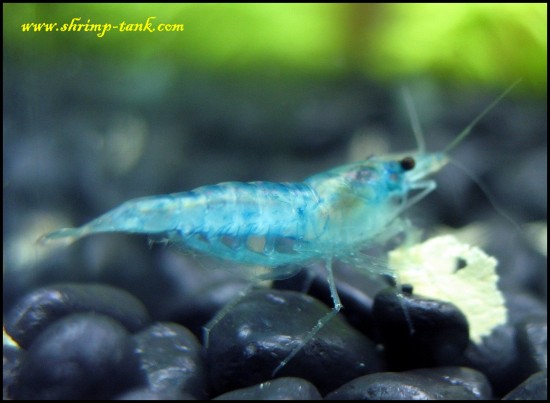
{"type": "Point", "coordinates": [533, 388]}
{"type": "Point", "coordinates": [419, 332]}
{"type": "Point", "coordinates": [285, 388]}
{"type": "Point", "coordinates": [41, 308]}
{"type": "Point", "coordinates": [444, 383]}
{"type": "Point", "coordinates": [172, 361]}
{"type": "Point", "coordinates": [82, 356]}
{"type": "Point", "coordinates": [166, 360]}
{"type": "Point", "coordinates": [249, 345]}
{"type": "Point", "coordinates": [110, 317]}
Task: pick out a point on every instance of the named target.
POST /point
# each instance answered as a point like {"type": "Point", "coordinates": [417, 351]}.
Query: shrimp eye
{"type": "Point", "coordinates": [407, 163]}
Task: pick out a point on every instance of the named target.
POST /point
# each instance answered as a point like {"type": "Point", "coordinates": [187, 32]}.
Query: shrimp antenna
{"type": "Point", "coordinates": [487, 194]}
{"type": "Point", "coordinates": [415, 122]}
{"type": "Point", "coordinates": [469, 128]}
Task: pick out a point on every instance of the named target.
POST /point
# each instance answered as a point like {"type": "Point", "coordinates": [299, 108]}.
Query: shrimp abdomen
{"type": "Point", "coordinates": [254, 208]}
{"type": "Point", "coordinates": [258, 223]}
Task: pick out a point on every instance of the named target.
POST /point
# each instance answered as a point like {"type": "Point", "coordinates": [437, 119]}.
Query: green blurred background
{"type": "Point", "coordinates": [485, 44]}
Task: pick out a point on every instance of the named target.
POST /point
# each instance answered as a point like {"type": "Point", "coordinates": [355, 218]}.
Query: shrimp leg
{"type": "Point", "coordinates": [320, 323]}
{"type": "Point", "coordinates": [206, 329]}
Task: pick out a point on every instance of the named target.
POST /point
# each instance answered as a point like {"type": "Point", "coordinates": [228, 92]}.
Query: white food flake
{"type": "Point", "coordinates": [445, 269]}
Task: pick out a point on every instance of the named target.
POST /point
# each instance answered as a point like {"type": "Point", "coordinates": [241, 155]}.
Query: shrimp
{"type": "Point", "coordinates": [280, 226]}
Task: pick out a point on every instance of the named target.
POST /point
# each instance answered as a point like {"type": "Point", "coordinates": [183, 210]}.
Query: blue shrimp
{"type": "Point", "coordinates": [280, 226]}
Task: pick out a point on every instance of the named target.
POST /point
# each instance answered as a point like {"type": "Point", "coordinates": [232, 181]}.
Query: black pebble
{"type": "Point", "coordinates": [39, 309]}
{"type": "Point", "coordinates": [511, 353]}
{"type": "Point", "coordinates": [498, 357]}
{"type": "Point", "coordinates": [277, 389]}
{"type": "Point", "coordinates": [356, 289]}
{"type": "Point", "coordinates": [522, 305]}
{"type": "Point", "coordinates": [83, 356]}
{"type": "Point", "coordinates": [532, 338]}
{"type": "Point", "coordinates": [444, 383]}
{"type": "Point", "coordinates": [145, 393]}
{"type": "Point", "coordinates": [197, 308]}
{"type": "Point", "coordinates": [172, 361]}
{"type": "Point", "coordinates": [260, 331]}
{"type": "Point", "coordinates": [436, 333]}
{"type": "Point", "coordinates": [534, 388]}
{"type": "Point", "coordinates": [12, 357]}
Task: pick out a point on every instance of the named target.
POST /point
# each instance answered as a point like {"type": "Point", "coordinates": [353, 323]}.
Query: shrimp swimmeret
{"type": "Point", "coordinates": [328, 216]}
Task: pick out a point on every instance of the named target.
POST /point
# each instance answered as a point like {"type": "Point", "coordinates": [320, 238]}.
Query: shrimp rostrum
{"type": "Point", "coordinates": [280, 225]}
